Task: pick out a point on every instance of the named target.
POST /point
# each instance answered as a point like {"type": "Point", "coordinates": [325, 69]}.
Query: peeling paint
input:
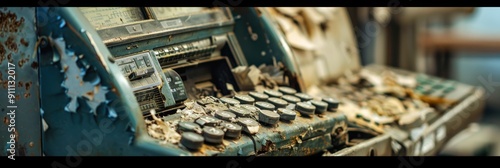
{"type": "Point", "coordinates": [11, 44]}
{"type": "Point", "coordinates": [76, 85]}
{"type": "Point", "coordinates": [28, 85]}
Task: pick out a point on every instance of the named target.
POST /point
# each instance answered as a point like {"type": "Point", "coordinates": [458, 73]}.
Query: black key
{"type": "Point", "coordinates": [277, 102]}
{"type": "Point", "coordinates": [188, 127]}
{"type": "Point", "coordinates": [303, 97]}
{"type": "Point", "coordinates": [264, 105]}
{"type": "Point", "coordinates": [249, 125]}
{"type": "Point", "coordinates": [258, 96]}
{"type": "Point", "coordinates": [213, 135]}
{"type": "Point", "coordinates": [224, 115]}
{"type": "Point", "coordinates": [287, 90]}
{"type": "Point", "coordinates": [192, 140]}
{"type": "Point", "coordinates": [291, 99]}
{"type": "Point", "coordinates": [240, 111]}
{"type": "Point", "coordinates": [273, 93]}
{"type": "Point", "coordinates": [333, 104]}
{"type": "Point", "coordinates": [245, 99]}
{"type": "Point", "coordinates": [233, 131]}
{"type": "Point", "coordinates": [305, 108]}
{"type": "Point", "coordinates": [320, 106]}
{"type": "Point", "coordinates": [229, 101]}
{"type": "Point", "coordinates": [207, 121]}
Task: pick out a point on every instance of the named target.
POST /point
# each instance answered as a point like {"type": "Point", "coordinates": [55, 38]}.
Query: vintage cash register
{"type": "Point", "coordinates": [159, 81]}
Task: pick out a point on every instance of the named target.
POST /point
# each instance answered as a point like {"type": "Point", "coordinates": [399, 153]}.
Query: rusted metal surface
{"type": "Point", "coordinates": [306, 148]}
{"type": "Point", "coordinates": [20, 113]}
{"type": "Point", "coordinates": [80, 124]}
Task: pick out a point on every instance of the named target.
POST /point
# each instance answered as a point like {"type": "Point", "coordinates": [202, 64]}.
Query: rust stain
{"type": "Point", "coordinates": [22, 62]}
{"type": "Point", "coordinates": [65, 68]}
{"type": "Point", "coordinates": [20, 84]}
{"type": "Point", "coordinates": [9, 23]}
{"type": "Point", "coordinates": [9, 57]}
{"type": "Point", "coordinates": [24, 42]}
{"type": "Point", "coordinates": [26, 95]}
{"type": "Point", "coordinates": [34, 65]}
{"type": "Point", "coordinates": [11, 44]}
{"type": "Point", "coordinates": [2, 52]}
{"type": "Point", "coordinates": [6, 120]}
{"type": "Point", "coordinates": [28, 85]}
{"type": "Point", "coordinates": [5, 84]}
{"type": "Point", "coordinates": [90, 95]}
{"type": "Point", "coordinates": [18, 97]}
{"type": "Point", "coordinates": [1, 75]}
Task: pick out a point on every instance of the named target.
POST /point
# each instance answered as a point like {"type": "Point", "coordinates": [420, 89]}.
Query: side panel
{"type": "Point", "coordinates": [20, 131]}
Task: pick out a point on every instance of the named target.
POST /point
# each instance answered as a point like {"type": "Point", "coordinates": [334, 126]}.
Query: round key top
{"type": "Point", "coordinates": [286, 114]}
{"type": "Point", "coordinates": [305, 108]}
{"type": "Point", "coordinates": [258, 96]}
{"type": "Point", "coordinates": [224, 115]}
{"type": "Point", "coordinates": [186, 126]}
{"type": "Point", "coordinates": [333, 104]}
{"type": "Point", "coordinates": [303, 97]}
{"type": "Point", "coordinates": [192, 140]}
{"type": "Point", "coordinates": [268, 117]}
{"type": "Point", "coordinates": [244, 99]}
{"type": "Point", "coordinates": [249, 125]}
{"type": "Point", "coordinates": [233, 131]}
{"type": "Point", "coordinates": [229, 101]}
{"type": "Point", "coordinates": [213, 135]}
{"type": "Point", "coordinates": [287, 90]}
{"type": "Point", "coordinates": [265, 105]}
{"type": "Point", "coordinates": [240, 111]}
{"type": "Point", "coordinates": [273, 93]}
{"type": "Point", "coordinates": [277, 102]}
{"type": "Point", "coordinates": [291, 99]}
{"type": "Point", "coordinates": [320, 106]}
{"type": "Point", "coordinates": [207, 121]}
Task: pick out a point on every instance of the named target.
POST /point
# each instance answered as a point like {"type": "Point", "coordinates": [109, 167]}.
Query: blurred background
{"type": "Point", "coordinates": [461, 44]}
